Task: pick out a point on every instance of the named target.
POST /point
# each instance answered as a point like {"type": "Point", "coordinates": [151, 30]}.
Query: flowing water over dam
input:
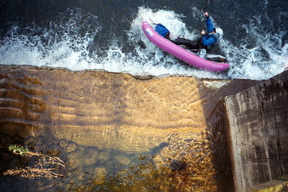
{"type": "Point", "coordinates": [107, 35]}
{"type": "Point", "coordinates": [117, 132]}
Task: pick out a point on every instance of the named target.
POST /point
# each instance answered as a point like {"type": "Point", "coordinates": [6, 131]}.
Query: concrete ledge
{"type": "Point", "coordinates": [277, 185]}
{"type": "Point", "coordinates": [257, 123]}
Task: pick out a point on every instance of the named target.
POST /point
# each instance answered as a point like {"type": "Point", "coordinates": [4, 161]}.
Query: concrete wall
{"type": "Point", "coordinates": [257, 121]}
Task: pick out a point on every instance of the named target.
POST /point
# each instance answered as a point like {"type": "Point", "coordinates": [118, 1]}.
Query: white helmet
{"type": "Point", "coordinates": [219, 32]}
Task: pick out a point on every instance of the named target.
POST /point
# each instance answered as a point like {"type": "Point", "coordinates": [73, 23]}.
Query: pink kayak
{"type": "Point", "coordinates": [180, 52]}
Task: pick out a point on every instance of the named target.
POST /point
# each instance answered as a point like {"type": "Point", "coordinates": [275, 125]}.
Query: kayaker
{"type": "Point", "coordinates": [211, 38]}
{"type": "Point", "coordinates": [207, 40]}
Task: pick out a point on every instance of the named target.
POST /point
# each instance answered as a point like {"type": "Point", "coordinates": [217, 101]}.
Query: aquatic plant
{"type": "Point", "coordinates": [45, 165]}
{"type": "Point", "coordinates": [18, 150]}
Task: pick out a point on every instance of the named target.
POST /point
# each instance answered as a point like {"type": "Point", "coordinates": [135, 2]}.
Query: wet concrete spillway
{"type": "Point", "coordinates": [116, 132]}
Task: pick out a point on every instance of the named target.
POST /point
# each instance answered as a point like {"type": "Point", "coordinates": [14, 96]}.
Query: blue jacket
{"type": "Point", "coordinates": [209, 39]}
{"type": "Point", "coordinates": [162, 30]}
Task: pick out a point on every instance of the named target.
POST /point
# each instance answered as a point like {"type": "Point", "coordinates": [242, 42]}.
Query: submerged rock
{"type": "Point", "coordinates": [85, 157]}
{"type": "Point", "coordinates": [89, 156]}
{"type": "Point", "coordinates": [74, 159]}
{"type": "Point", "coordinates": [105, 155]}
{"type": "Point", "coordinates": [54, 150]}
{"type": "Point", "coordinates": [99, 175]}
{"type": "Point", "coordinates": [121, 159]}
{"type": "Point", "coordinates": [63, 143]}
{"type": "Point", "coordinates": [71, 147]}
{"type": "Point", "coordinates": [30, 142]}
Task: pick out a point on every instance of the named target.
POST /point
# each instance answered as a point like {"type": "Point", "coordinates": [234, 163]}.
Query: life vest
{"type": "Point", "coordinates": [161, 30]}
{"type": "Point", "coordinates": [213, 36]}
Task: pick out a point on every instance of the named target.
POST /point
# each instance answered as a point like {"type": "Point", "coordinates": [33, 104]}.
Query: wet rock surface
{"type": "Point", "coordinates": [116, 132]}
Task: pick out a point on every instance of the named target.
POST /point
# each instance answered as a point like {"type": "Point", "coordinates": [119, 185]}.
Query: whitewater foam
{"type": "Point", "coordinates": [71, 42]}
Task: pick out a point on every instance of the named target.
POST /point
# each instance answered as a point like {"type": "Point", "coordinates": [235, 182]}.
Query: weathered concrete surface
{"type": "Point", "coordinates": [258, 132]}
{"type": "Point", "coordinates": [100, 109]}
{"type": "Point", "coordinates": [120, 119]}
{"type": "Point", "coordinates": [105, 110]}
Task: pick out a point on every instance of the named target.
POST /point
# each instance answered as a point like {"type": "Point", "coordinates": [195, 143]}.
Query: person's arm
{"type": "Point", "coordinates": [209, 23]}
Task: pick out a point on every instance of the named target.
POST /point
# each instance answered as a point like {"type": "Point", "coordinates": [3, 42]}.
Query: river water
{"type": "Point", "coordinates": [107, 35]}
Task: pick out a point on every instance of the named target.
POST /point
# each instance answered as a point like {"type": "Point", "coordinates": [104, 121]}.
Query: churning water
{"type": "Point", "coordinates": [107, 35]}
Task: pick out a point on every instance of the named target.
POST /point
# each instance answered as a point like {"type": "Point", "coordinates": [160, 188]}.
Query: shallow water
{"type": "Point", "coordinates": [115, 132]}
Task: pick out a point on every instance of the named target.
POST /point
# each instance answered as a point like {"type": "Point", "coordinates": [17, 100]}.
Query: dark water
{"type": "Point", "coordinates": [107, 35]}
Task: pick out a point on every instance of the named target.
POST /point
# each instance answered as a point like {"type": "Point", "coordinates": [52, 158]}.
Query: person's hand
{"type": "Point", "coordinates": [203, 32]}
{"type": "Point", "coordinates": [206, 14]}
